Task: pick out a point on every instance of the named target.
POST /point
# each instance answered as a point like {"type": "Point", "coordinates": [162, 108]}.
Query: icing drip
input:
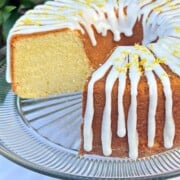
{"type": "Point", "coordinates": [89, 113]}
{"type": "Point", "coordinates": [113, 21]}
{"type": "Point", "coordinates": [152, 107]}
{"type": "Point", "coordinates": [106, 121]}
{"type": "Point", "coordinates": [169, 129]}
{"type": "Point", "coordinates": [134, 76]}
{"type": "Point", "coordinates": [148, 59]}
{"type": "Point", "coordinates": [121, 132]}
{"type": "Point", "coordinates": [127, 22]}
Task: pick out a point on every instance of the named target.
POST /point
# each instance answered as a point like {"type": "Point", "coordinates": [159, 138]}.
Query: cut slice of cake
{"type": "Point", "coordinates": [38, 57]}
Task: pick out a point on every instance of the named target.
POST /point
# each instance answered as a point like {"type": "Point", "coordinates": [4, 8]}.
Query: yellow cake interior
{"type": "Point", "coordinates": [38, 57]}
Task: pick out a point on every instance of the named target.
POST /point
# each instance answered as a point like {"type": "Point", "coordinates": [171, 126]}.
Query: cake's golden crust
{"type": "Point", "coordinates": [120, 145]}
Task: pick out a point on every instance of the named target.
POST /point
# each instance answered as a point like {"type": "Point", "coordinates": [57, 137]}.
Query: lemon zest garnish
{"type": "Point", "coordinates": [80, 12]}
{"type": "Point", "coordinates": [177, 29]}
{"type": "Point", "coordinates": [160, 61]}
{"type": "Point", "coordinates": [88, 2]}
{"type": "Point", "coordinates": [29, 12]}
{"type": "Point", "coordinates": [171, 5]}
{"type": "Point", "coordinates": [38, 23]}
{"type": "Point", "coordinates": [158, 10]}
{"type": "Point", "coordinates": [163, 75]}
{"type": "Point", "coordinates": [125, 52]}
{"type": "Point", "coordinates": [61, 17]}
{"type": "Point", "coordinates": [47, 7]}
{"type": "Point", "coordinates": [143, 62]}
{"type": "Point", "coordinates": [27, 21]}
{"type": "Point", "coordinates": [140, 70]}
{"type": "Point", "coordinates": [176, 53]}
{"type": "Point", "coordinates": [117, 59]}
{"type": "Point", "coordinates": [63, 7]}
{"type": "Point", "coordinates": [120, 69]}
{"type": "Point", "coordinates": [141, 48]}
{"type": "Point", "coordinates": [137, 46]}
{"type": "Point", "coordinates": [135, 57]}
{"type": "Point", "coordinates": [149, 66]}
{"type": "Point", "coordinates": [100, 5]}
{"type": "Point", "coordinates": [128, 65]}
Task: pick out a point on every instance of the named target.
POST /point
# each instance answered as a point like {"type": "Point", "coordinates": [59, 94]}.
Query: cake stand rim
{"type": "Point", "coordinates": [51, 173]}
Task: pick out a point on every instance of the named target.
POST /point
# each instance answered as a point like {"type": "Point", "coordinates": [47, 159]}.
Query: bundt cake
{"type": "Point", "coordinates": [124, 56]}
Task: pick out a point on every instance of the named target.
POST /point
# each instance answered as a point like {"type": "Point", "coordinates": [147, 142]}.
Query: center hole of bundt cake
{"type": "Point", "coordinates": [105, 44]}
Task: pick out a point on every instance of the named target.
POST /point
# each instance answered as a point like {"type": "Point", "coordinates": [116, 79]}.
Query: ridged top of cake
{"type": "Point", "coordinates": [159, 18]}
{"type": "Point", "coordinates": [104, 15]}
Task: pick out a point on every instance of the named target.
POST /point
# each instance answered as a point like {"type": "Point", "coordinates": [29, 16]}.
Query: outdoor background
{"type": "Point", "coordinates": [10, 11]}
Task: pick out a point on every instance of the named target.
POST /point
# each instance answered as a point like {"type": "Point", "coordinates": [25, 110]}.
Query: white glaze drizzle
{"type": "Point", "coordinates": [160, 20]}
{"type": "Point", "coordinates": [89, 113]}
{"type": "Point", "coordinates": [169, 128]}
{"type": "Point", "coordinates": [152, 107]}
{"type": "Point", "coordinates": [153, 96]}
{"type": "Point", "coordinates": [106, 121]}
{"type": "Point", "coordinates": [134, 76]}
{"type": "Point", "coordinates": [121, 129]}
{"type": "Point", "coordinates": [169, 120]}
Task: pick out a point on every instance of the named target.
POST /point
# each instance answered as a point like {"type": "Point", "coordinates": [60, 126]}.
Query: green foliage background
{"type": "Point", "coordinates": [10, 11]}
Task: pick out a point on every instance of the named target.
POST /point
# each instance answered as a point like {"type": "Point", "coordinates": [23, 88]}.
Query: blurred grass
{"type": "Point", "coordinates": [10, 11]}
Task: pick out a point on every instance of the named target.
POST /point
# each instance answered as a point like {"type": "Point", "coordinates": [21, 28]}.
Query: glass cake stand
{"type": "Point", "coordinates": [44, 135]}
